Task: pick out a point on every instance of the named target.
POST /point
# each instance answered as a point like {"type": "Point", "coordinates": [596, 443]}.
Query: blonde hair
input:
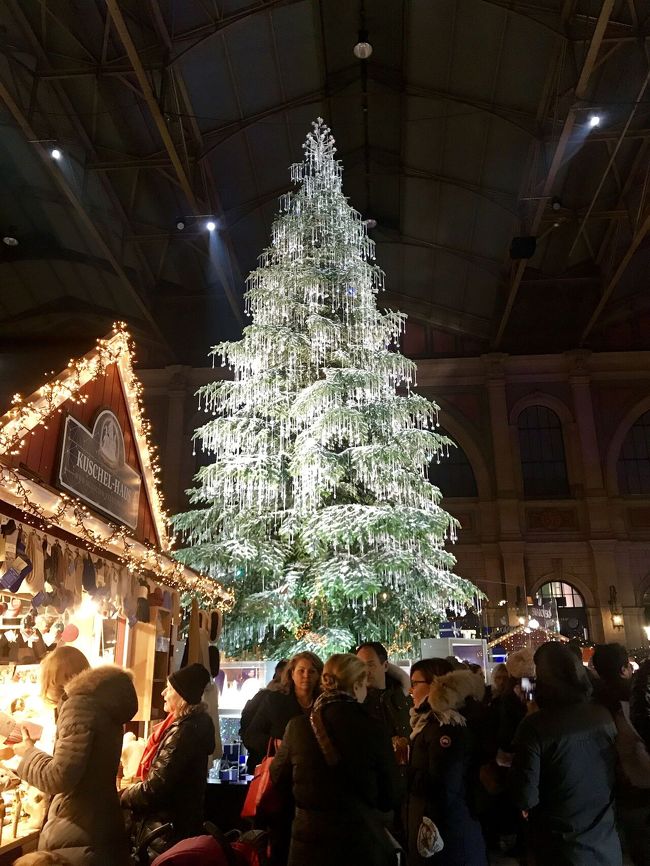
{"type": "Point", "coordinates": [343, 671]}
{"type": "Point", "coordinates": [286, 680]}
{"type": "Point", "coordinates": [57, 669]}
{"type": "Point", "coordinates": [42, 858]}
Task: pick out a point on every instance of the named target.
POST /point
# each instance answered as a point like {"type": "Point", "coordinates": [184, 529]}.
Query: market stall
{"type": "Point", "coordinates": [84, 554]}
{"type": "Point", "coordinates": [518, 638]}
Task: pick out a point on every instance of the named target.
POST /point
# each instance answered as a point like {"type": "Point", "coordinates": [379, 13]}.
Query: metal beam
{"type": "Point", "coordinates": [44, 64]}
{"type": "Point", "coordinates": [429, 313]}
{"type": "Point", "coordinates": [126, 164]}
{"type": "Point", "coordinates": [610, 163]}
{"type": "Point", "coordinates": [61, 181]}
{"type": "Point", "coordinates": [616, 276]}
{"type": "Point", "coordinates": [168, 142]}
{"type": "Point", "coordinates": [180, 89]}
{"type": "Point", "coordinates": [558, 156]}
{"type": "Point", "coordinates": [98, 70]}
{"type": "Point", "coordinates": [152, 104]}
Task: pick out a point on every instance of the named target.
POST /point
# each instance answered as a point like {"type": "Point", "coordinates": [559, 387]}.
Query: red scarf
{"type": "Point", "coordinates": [151, 749]}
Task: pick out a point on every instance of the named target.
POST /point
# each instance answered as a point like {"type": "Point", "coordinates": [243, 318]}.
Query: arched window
{"type": "Point", "coordinates": [633, 465]}
{"type": "Point", "coordinates": [541, 447]}
{"type": "Point", "coordinates": [454, 474]}
{"type": "Point", "coordinates": [571, 610]}
{"type": "Point", "coordinates": [564, 594]}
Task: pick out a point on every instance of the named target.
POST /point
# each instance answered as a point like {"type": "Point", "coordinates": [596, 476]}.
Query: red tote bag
{"type": "Point", "coordinates": [262, 798]}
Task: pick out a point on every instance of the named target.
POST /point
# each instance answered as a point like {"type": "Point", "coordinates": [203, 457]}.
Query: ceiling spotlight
{"type": "Point", "coordinates": [211, 225]}
{"type": "Point", "coordinates": [180, 224]}
{"type": "Point", "coordinates": [594, 120]}
{"type": "Point", "coordinates": [363, 49]}
{"type": "Point", "coordinates": [10, 239]}
{"type": "Point", "coordinates": [370, 223]}
{"type": "Point", "coordinates": [56, 154]}
{"type": "Point", "coordinates": [556, 204]}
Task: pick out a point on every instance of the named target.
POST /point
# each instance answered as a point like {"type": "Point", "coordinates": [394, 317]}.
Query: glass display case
{"type": "Point", "coordinates": [238, 681]}
{"type": "Point", "coordinates": [470, 650]}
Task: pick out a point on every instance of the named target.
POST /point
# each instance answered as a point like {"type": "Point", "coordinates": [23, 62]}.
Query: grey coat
{"type": "Point", "coordinates": [84, 822]}
{"type": "Point", "coordinates": [563, 775]}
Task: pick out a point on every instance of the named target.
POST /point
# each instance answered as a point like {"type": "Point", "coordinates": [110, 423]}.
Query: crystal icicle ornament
{"type": "Point", "coordinates": [318, 494]}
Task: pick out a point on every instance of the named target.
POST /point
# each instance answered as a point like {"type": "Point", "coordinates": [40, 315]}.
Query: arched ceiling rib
{"type": "Point", "coordinates": [457, 134]}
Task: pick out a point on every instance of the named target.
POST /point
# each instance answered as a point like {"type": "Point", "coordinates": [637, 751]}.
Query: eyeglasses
{"type": "Point", "coordinates": [419, 683]}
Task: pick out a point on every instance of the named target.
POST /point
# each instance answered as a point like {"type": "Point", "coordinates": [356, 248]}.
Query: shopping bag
{"type": "Point", "coordinates": [262, 798]}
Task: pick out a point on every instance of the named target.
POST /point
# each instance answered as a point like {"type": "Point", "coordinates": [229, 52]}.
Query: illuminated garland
{"type": "Point", "coordinates": [25, 416]}
{"type": "Point", "coordinates": [69, 510]}
{"type": "Point", "coordinates": [521, 636]}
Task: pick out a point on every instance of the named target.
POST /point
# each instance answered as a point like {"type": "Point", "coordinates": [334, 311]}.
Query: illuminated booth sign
{"type": "Point", "coordinates": [93, 467]}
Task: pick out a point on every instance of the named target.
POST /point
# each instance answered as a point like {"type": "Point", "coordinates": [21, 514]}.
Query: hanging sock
{"type": "Point", "coordinates": [89, 577]}
{"type": "Point", "coordinates": [19, 569]}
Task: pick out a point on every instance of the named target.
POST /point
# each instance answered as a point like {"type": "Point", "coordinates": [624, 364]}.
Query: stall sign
{"type": "Point", "coordinates": [546, 614]}
{"type": "Point", "coordinates": [93, 467]}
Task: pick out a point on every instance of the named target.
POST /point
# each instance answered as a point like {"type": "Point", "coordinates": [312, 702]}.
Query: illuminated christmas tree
{"type": "Point", "coordinates": [317, 509]}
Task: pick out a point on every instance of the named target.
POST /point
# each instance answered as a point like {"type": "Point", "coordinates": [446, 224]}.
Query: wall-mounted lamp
{"type": "Point", "coordinates": [616, 612]}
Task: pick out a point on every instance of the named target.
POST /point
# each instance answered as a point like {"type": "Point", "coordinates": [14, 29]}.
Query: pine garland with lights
{"type": "Point", "coordinates": [317, 510]}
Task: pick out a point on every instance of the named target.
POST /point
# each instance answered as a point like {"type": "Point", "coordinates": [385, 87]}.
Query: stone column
{"type": "Point", "coordinates": [507, 498]}
{"type": "Point", "coordinates": [607, 574]}
{"type": "Point", "coordinates": [514, 574]}
{"type": "Point", "coordinates": [595, 496]}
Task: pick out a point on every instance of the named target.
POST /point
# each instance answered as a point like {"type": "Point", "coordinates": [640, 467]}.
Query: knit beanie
{"type": "Point", "coordinates": [190, 682]}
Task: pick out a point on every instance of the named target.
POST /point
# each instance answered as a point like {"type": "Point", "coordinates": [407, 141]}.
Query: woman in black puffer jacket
{"type": "Point", "coordinates": [174, 767]}
{"type": "Point", "coordinates": [342, 770]}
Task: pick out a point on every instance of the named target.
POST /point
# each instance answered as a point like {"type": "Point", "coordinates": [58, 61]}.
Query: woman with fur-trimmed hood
{"type": "Point", "coordinates": [443, 761]}
{"type": "Point", "coordinates": [84, 822]}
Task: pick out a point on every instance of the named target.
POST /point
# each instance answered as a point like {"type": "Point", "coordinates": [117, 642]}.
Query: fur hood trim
{"type": "Point", "coordinates": [449, 693]}
{"type": "Point", "coordinates": [521, 663]}
{"type": "Point", "coordinates": [109, 686]}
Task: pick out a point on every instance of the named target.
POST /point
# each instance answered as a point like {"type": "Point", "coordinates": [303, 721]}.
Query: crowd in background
{"type": "Point", "coordinates": [549, 763]}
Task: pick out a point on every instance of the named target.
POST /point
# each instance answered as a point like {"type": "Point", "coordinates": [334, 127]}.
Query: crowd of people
{"type": "Point", "coordinates": [550, 762]}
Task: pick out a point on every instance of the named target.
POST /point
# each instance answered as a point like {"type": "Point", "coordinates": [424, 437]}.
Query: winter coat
{"type": "Point", "coordinates": [640, 702]}
{"type": "Point", "coordinates": [274, 712]}
{"type": "Point", "coordinates": [174, 789]}
{"type": "Point", "coordinates": [84, 822]}
{"type": "Point", "coordinates": [390, 706]}
{"type": "Point", "coordinates": [563, 775]}
{"type": "Point", "coordinates": [443, 770]}
{"type": "Point", "coordinates": [337, 820]}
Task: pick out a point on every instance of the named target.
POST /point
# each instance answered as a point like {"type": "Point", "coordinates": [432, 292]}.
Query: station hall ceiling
{"type": "Point", "coordinates": [469, 125]}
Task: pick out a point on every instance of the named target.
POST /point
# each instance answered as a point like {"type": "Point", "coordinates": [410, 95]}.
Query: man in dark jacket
{"type": "Point", "coordinates": [386, 700]}
{"type": "Point", "coordinates": [614, 684]}
{"type": "Point", "coordinates": [562, 776]}
{"type": "Point", "coordinates": [613, 690]}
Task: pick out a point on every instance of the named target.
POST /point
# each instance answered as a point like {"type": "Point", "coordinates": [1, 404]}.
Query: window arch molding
{"type": "Point", "coordinates": [625, 425]}
{"type": "Point", "coordinates": [569, 435]}
{"type": "Point", "coordinates": [573, 580]}
{"type": "Point", "coordinates": [459, 433]}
